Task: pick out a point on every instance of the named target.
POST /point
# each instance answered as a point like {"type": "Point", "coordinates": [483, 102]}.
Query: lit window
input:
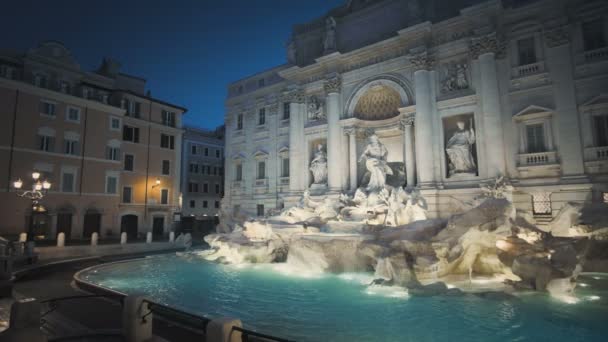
{"type": "Point", "coordinates": [605, 197]}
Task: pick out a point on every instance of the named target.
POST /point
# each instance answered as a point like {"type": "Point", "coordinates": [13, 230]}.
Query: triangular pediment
{"type": "Point", "coordinates": [238, 156]}
{"type": "Point", "coordinates": [260, 154]}
{"type": "Point", "coordinates": [532, 111]}
{"type": "Point", "coordinates": [600, 100]}
{"type": "Point", "coordinates": [284, 149]}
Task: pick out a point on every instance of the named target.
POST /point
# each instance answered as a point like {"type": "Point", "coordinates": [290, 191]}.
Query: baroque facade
{"type": "Point", "coordinates": [474, 91]}
{"type": "Point", "coordinates": [109, 149]}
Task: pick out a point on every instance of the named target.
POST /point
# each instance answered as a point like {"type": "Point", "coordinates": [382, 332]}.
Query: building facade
{"type": "Point", "coordinates": [460, 93]}
{"type": "Point", "coordinates": [202, 172]}
{"type": "Point", "coordinates": [111, 152]}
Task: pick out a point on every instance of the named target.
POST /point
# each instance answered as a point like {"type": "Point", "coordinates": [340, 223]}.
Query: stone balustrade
{"type": "Point", "coordinates": [541, 158]}
{"type": "Point", "coordinates": [528, 69]}
{"type": "Point", "coordinates": [596, 153]}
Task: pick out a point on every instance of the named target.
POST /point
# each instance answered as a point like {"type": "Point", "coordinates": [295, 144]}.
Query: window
{"type": "Point", "coordinates": [130, 133]}
{"type": "Point", "coordinates": [239, 172]}
{"type": "Point", "coordinates": [239, 122]}
{"type": "Point", "coordinates": [40, 80]}
{"type": "Point", "coordinates": [193, 149]}
{"type": "Point", "coordinates": [215, 170]}
{"type": "Point", "coordinates": [217, 204]}
{"type": "Point", "coordinates": [601, 130]}
{"type": "Point", "coordinates": [221, 171]}
{"type": "Point", "coordinates": [71, 146]}
{"type": "Point", "coordinates": [45, 143]}
{"type": "Point", "coordinates": [47, 108]}
{"type": "Point", "coordinates": [217, 153]}
{"type": "Point", "coordinates": [112, 153]}
{"type": "Point", "coordinates": [261, 169]}
{"type": "Point", "coordinates": [192, 204]}
{"type": "Point", "coordinates": [206, 152]}
{"type": "Point", "coordinates": [526, 51]}
{"type": "Point", "coordinates": [73, 114]}
{"type": "Point", "coordinates": [217, 188]}
{"type": "Point", "coordinates": [208, 169]}
{"type": "Point", "coordinates": [260, 209]}
{"type": "Point", "coordinates": [64, 87]}
{"type": "Point", "coordinates": [111, 184]}
{"type": "Point", "coordinates": [205, 204]}
{"type": "Point", "coordinates": [192, 187]}
{"type": "Point", "coordinates": [129, 161]}
{"type": "Point", "coordinates": [133, 108]}
{"type": "Point", "coordinates": [193, 168]}
{"type": "Point", "coordinates": [535, 138]}
{"type": "Point", "coordinates": [286, 108]}
{"type": "Point", "coordinates": [593, 35]}
{"type": "Point", "coordinates": [285, 167]}
{"type": "Point", "coordinates": [605, 197]}
{"type": "Point", "coordinates": [541, 203]}
{"type": "Point", "coordinates": [168, 118]}
{"type": "Point", "coordinates": [167, 141]}
{"type": "Point", "coordinates": [262, 117]}
{"type": "Point", "coordinates": [166, 167]}
{"type": "Point", "coordinates": [261, 82]}
{"type": "Point", "coordinates": [86, 93]}
{"type": "Point", "coordinates": [164, 196]}
{"type": "Point", "coordinates": [205, 187]}
{"type": "Point", "coordinates": [240, 89]}
{"type": "Point", "coordinates": [114, 124]}
{"type": "Point", "coordinates": [6, 71]}
{"type": "Point", "coordinates": [67, 182]}
{"type": "Point", "coordinates": [126, 194]}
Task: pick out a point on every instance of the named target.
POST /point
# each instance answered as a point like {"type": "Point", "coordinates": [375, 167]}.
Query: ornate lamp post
{"type": "Point", "coordinates": [39, 190]}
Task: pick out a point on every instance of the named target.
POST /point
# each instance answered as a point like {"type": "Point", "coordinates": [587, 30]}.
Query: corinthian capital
{"type": "Point", "coordinates": [422, 61]}
{"type": "Point", "coordinates": [407, 120]}
{"type": "Point", "coordinates": [488, 43]}
{"type": "Point", "coordinates": [333, 84]}
{"type": "Point", "coordinates": [294, 96]}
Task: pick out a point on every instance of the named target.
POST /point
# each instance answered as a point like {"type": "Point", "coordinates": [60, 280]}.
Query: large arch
{"type": "Point", "coordinates": [379, 98]}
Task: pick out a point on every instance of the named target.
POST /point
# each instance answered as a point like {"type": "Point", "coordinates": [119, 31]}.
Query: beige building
{"type": "Point", "coordinates": [110, 151]}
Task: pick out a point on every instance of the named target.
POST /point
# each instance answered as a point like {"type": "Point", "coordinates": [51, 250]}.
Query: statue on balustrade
{"type": "Point", "coordinates": [329, 41]}
{"type": "Point", "coordinates": [318, 166]}
{"type": "Point", "coordinates": [459, 150]}
{"type": "Point", "coordinates": [374, 156]}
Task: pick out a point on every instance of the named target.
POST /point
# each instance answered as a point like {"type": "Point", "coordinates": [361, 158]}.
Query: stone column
{"type": "Point", "coordinates": [352, 156]}
{"type": "Point", "coordinates": [296, 149]}
{"type": "Point", "coordinates": [407, 124]}
{"type": "Point", "coordinates": [424, 119]}
{"type": "Point", "coordinates": [332, 103]}
{"type": "Point", "coordinates": [559, 63]}
{"type": "Point", "coordinates": [485, 48]}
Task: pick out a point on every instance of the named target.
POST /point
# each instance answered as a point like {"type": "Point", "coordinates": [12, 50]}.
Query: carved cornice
{"type": "Point", "coordinates": [407, 120]}
{"type": "Point", "coordinates": [556, 37]}
{"type": "Point", "coordinates": [333, 85]}
{"type": "Point", "coordinates": [294, 96]}
{"type": "Point", "coordinates": [488, 43]}
{"type": "Point", "coordinates": [273, 108]}
{"type": "Point", "coordinates": [422, 61]}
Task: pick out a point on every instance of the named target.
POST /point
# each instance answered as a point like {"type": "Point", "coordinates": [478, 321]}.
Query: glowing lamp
{"type": "Point", "coordinates": [18, 184]}
{"type": "Point", "coordinates": [46, 185]}
{"type": "Point", "coordinates": [157, 181]}
{"type": "Point", "coordinates": [38, 186]}
{"type": "Point", "coordinates": [35, 175]}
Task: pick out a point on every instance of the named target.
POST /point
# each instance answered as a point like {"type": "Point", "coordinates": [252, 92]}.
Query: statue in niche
{"type": "Point", "coordinates": [318, 166]}
{"type": "Point", "coordinates": [329, 42]}
{"type": "Point", "coordinates": [291, 51]}
{"type": "Point", "coordinates": [459, 150]}
{"type": "Point", "coordinates": [461, 76]}
{"type": "Point", "coordinates": [315, 109]}
{"type": "Point", "coordinates": [374, 156]}
{"type": "Point", "coordinates": [455, 78]}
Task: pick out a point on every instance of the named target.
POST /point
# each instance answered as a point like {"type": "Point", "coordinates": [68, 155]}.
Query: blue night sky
{"type": "Point", "coordinates": [187, 50]}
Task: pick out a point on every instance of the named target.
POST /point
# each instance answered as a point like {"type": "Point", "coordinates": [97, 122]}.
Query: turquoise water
{"type": "Point", "coordinates": [342, 308]}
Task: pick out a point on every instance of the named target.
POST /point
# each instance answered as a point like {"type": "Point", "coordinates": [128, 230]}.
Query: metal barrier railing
{"type": "Point", "coordinates": [246, 336]}
{"type": "Point", "coordinates": [53, 302]}
{"type": "Point", "coordinates": [177, 316]}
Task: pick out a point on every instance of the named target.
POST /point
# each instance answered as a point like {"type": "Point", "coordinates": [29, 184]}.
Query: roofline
{"type": "Point", "coordinates": [259, 72]}
{"type": "Point", "coordinates": [149, 98]}
{"type": "Point", "coordinates": [132, 76]}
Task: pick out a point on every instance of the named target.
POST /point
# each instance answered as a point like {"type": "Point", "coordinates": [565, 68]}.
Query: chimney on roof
{"type": "Point", "coordinates": [109, 67]}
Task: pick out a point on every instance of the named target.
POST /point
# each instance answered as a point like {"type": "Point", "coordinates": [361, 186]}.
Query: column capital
{"type": "Point", "coordinates": [557, 36]}
{"type": "Point", "coordinates": [422, 61]}
{"type": "Point", "coordinates": [333, 84]}
{"type": "Point", "coordinates": [294, 96]}
{"type": "Point", "coordinates": [488, 43]}
{"type": "Point", "coordinates": [350, 130]}
{"type": "Point", "coordinates": [273, 107]}
{"type": "Point", "coordinates": [407, 121]}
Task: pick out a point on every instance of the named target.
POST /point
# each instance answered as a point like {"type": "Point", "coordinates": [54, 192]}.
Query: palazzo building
{"type": "Point", "coordinates": [110, 150]}
{"type": "Point", "coordinates": [459, 92]}
{"type": "Point", "coordinates": [202, 172]}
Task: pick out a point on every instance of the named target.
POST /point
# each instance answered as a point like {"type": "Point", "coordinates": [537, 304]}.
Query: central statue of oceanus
{"type": "Point", "coordinates": [374, 156]}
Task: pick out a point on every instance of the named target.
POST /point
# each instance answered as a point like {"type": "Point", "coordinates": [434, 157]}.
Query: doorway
{"type": "Point", "coordinates": [158, 227]}
{"type": "Point", "coordinates": [64, 224]}
{"type": "Point", "coordinates": [92, 224]}
{"type": "Point", "coordinates": [128, 224]}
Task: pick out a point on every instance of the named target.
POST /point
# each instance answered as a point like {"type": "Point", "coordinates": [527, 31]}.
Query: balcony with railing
{"type": "Point", "coordinates": [596, 153]}
{"type": "Point", "coordinates": [540, 158]}
{"type": "Point", "coordinates": [528, 69]}
{"type": "Point", "coordinates": [538, 165]}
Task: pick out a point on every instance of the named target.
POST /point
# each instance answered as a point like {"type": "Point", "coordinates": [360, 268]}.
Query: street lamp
{"type": "Point", "coordinates": [39, 190]}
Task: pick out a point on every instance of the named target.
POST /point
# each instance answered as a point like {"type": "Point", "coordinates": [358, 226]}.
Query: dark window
{"type": "Point", "coordinates": [130, 133]}
{"type": "Point", "coordinates": [167, 141]}
{"type": "Point", "coordinates": [126, 194]}
{"type": "Point", "coordinates": [128, 162]}
{"type": "Point", "coordinates": [217, 188]}
{"type": "Point", "coordinates": [166, 167]}
{"type": "Point", "coordinates": [260, 210]}
{"type": "Point", "coordinates": [286, 109]}
{"type": "Point", "coordinates": [45, 143]}
{"type": "Point", "coordinates": [262, 116]}
{"type": "Point", "coordinates": [206, 152]}
{"type": "Point", "coordinates": [215, 170]}
{"type": "Point", "coordinates": [261, 170]}
{"type": "Point", "coordinates": [285, 167]}
{"type": "Point", "coordinates": [193, 149]}
{"type": "Point", "coordinates": [192, 187]}
{"type": "Point", "coordinates": [192, 203]}
{"type": "Point", "coordinates": [601, 130]}
{"type": "Point", "coordinates": [204, 204]}
{"type": "Point", "coordinates": [593, 35]}
{"type": "Point", "coordinates": [536, 138]}
{"type": "Point", "coordinates": [67, 184]}
{"type": "Point", "coordinates": [217, 204]}
{"type": "Point", "coordinates": [261, 82]}
{"type": "Point", "coordinates": [221, 171]}
{"type": "Point", "coordinates": [112, 153]}
{"type": "Point", "coordinates": [239, 122]}
{"type": "Point", "coordinates": [205, 187]}
{"type": "Point", "coordinates": [47, 108]}
{"type": "Point", "coordinates": [194, 168]}
{"type": "Point", "coordinates": [526, 51]}
{"type": "Point", "coordinates": [239, 172]}
{"type": "Point", "coordinates": [71, 147]}
{"type": "Point", "coordinates": [164, 196]}
{"type": "Point", "coordinates": [217, 153]}
{"type": "Point", "coordinates": [168, 118]}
